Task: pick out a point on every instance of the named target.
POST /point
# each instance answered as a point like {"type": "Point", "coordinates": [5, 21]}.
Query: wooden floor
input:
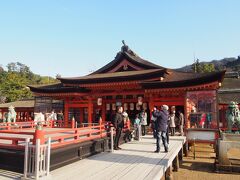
{"type": "Point", "coordinates": [136, 160]}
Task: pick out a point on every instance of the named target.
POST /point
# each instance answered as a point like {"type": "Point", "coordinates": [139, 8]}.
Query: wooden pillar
{"type": "Point", "coordinates": [151, 105]}
{"type": "Point", "coordinates": [176, 164]}
{"type": "Point", "coordinates": [186, 112]}
{"type": "Point", "coordinates": [66, 110]}
{"type": "Point", "coordinates": [185, 149]}
{"type": "Point", "coordinates": [104, 112]}
{"type": "Point", "coordinates": [180, 154]}
{"type": "Point", "coordinates": [90, 110]}
{"type": "Point", "coordinates": [168, 173]}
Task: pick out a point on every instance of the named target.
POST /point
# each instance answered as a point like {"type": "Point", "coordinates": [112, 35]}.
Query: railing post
{"type": "Point", "coordinates": [111, 136]}
{"type": "Point", "coordinates": [73, 123]}
{"type": "Point", "coordinates": [26, 157]}
{"type": "Point", "coordinates": [39, 134]}
{"type": "Point", "coordinates": [48, 156]}
{"type": "Point", "coordinates": [37, 156]}
{"type": "Point", "coordinates": [51, 123]}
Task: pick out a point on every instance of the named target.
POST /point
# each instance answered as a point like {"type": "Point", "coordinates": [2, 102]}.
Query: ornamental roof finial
{"type": "Point", "coordinates": [125, 47]}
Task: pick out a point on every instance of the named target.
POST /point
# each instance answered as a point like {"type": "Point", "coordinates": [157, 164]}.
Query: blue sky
{"type": "Point", "coordinates": [73, 37]}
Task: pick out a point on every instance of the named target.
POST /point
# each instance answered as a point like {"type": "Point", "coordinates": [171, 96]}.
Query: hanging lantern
{"type": "Point", "coordinates": [114, 107]}
{"type": "Point", "coordinates": [125, 106]}
{"type": "Point", "coordinates": [140, 100]}
{"type": "Point", "coordinates": [108, 107]}
{"type": "Point", "coordinates": [99, 101]}
{"type": "Point", "coordinates": [131, 106]}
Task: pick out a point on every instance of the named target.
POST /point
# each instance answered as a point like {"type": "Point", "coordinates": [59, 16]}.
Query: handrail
{"type": "Point", "coordinates": [60, 137]}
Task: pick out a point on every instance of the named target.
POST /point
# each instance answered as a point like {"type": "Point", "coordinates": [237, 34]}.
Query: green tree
{"type": "Point", "coordinates": [14, 81]}
{"type": "Point", "coordinates": [208, 67]}
{"type": "Point", "coordinates": [198, 67]}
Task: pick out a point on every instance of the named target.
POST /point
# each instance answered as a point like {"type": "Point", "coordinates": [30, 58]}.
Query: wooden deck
{"type": "Point", "coordinates": [136, 160]}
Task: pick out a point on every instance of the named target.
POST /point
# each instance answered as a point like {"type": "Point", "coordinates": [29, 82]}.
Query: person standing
{"type": "Point", "coordinates": [172, 119]}
{"type": "Point", "coordinates": [153, 123]}
{"type": "Point", "coordinates": [161, 127]}
{"type": "Point", "coordinates": [118, 124]}
{"type": "Point", "coordinates": [137, 122]}
{"type": "Point", "coordinates": [181, 122]}
{"type": "Point", "coordinates": [143, 119]}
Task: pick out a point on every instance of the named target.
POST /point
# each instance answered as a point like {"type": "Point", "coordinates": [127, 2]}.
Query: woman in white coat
{"type": "Point", "coordinates": [143, 118]}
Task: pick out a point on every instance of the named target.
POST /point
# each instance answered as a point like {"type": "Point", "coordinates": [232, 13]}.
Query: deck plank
{"type": "Point", "coordinates": [136, 160]}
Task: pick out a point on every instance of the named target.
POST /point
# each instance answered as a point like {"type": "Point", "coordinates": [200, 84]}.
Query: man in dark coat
{"type": "Point", "coordinates": [161, 126]}
{"type": "Point", "coordinates": [118, 124]}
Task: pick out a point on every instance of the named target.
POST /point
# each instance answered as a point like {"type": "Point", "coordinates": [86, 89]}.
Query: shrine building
{"type": "Point", "coordinates": [136, 84]}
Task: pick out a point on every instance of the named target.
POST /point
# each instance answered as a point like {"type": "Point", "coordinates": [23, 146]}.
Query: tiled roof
{"type": "Point", "coordinates": [181, 79]}
{"type": "Point", "coordinates": [116, 76]}
{"type": "Point", "coordinates": [57, 88]}
{"type": "Point", "coordinates": [19, 104]}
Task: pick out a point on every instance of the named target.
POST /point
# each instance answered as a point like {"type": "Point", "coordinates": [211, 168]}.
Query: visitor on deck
{"type": "Point", "coordinates": [143, 121]}
{"type": "Point", "coordinates": [118, 123]}
{"type": "Point", "coordinates": [153, 123]}
{"type": "Point", "coordinates": [53, 116]}
{"type": "Point", "coordinates": [39, 118]}
{"type": "Point", "coordinates": [172, 119]}
{"type": "Point", "coordinates": [181, 122]}
{"type": "Point", "coordinates": [60, 115]}
{"type": "Point", "coordinates": [137, 122]}
{"type": "Point", "coordinates": [161, 126]}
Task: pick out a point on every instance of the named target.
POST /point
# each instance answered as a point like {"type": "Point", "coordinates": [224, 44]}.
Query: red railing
{"type": "Point", "coordinates": [21, 125]}
{"type": "Point", "coordinates": [59, 137]}
{"type": "Point", "coordinates": [17, 125]}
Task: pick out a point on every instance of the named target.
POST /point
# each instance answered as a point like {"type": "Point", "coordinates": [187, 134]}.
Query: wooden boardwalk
{"type": "Point", "coordinates": [136, 160]}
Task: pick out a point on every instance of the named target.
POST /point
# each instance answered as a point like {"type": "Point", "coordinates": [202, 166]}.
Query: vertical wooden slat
{"type": "Point", "coordinates": [37, 159]}
{"type": "Point", "coordinates": [26, 157]}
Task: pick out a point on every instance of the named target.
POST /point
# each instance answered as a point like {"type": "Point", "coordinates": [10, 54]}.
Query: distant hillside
{"type": "Point", "coordinates": [229, 64]}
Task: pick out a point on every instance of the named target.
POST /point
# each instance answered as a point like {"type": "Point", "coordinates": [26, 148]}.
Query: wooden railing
{"type": "Point", "coordinates": [64, 137]}
{"type": "Point", "coordinates": [21, 125]}
{"type": "Point", "coordinates": [9, 138]}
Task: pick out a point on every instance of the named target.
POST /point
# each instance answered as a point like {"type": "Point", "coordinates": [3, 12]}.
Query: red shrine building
{"type": "Point", "coordinates": [134, 83]}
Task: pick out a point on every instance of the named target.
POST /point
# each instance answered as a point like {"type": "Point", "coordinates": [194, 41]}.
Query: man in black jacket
{"type": "Point", "coordinates": [118, 124]}
{"type": "Point", "coordinates": [161, 126]}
